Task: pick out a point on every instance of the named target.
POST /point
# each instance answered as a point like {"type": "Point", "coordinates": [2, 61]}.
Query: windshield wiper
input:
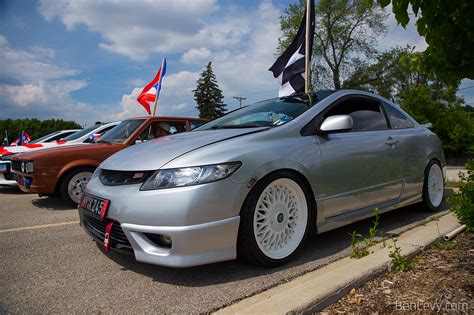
{"type": "Point", "coordinates": [235, 126]}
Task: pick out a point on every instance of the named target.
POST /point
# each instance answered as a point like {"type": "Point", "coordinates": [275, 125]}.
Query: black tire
{"type": "Point", "coordinates": [247, 247]}
{"type": "Point", "coordinates": [63, 188]}
{"type": "Point", "coordinates": [427, 203]}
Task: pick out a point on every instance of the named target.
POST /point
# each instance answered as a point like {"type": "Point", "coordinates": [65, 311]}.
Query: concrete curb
{"type": "Point", "coordinates": [318, 289]}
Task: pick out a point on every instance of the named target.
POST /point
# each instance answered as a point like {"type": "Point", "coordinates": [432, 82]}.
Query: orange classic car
{"type": "Point", "coordinates": [65, 171]}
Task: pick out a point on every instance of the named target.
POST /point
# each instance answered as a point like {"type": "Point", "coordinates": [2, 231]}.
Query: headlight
{"type": "Point", "coordinates": [27, 167]}
{"type": "Point", "coordinates": [30, 167]}
{"type": "Point", "coordinates": [95, 174]}
{"type": "Point", "coordinates": [188, 176]}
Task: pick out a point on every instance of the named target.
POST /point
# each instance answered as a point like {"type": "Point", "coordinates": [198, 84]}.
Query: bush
{"type": "Point", "coordinates": [463, 201]}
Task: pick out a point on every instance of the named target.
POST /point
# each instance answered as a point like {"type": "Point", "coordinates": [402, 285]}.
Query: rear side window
{"type": "Point", "coordinates": [61, 135]}
{"type": "Point", "coordinates": [196, 123]}
{"type": "Point", "coordinates": [398, 120]}
{"type": "Point", "coordinates": [366, 113]}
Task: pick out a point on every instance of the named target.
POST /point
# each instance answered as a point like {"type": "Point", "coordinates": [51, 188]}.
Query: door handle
{"type": "Point", "coordinates": [391, 142]}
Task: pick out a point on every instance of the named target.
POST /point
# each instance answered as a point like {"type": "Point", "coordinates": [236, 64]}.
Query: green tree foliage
{"type": "Point", "coordinates": [388, 76]}
{"type": "Point", "coordinates": [34, 127]}
{"type": "Point", "coordinates": [447, 27]}
{"type": "Point", "coordinates": [344, 29]}
{"type": "Point", "coordinates": [452, 122]}
{"type": "Point", "coordinates": [208, 95]}
{"type": "Point", "coordinates": [463, 201]}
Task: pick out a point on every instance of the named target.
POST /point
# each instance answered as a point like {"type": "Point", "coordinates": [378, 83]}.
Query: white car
{"type": "Point", "coordinates": [55, 136]}
{"type": "Point", "coordinates": [85, 135]}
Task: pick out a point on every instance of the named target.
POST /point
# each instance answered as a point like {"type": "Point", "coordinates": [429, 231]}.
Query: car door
{"type": "Point", "coordinates": [362, 167]}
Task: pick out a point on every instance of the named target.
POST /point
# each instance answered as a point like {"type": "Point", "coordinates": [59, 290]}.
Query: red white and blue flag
{"type": "Point", "coordinates": [23, 138]}
{"type": "Point", "coordinates": [151, 91]}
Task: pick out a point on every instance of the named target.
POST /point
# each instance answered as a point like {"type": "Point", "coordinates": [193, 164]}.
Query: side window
{"type": "Point", "coordinates": [366, 113]}
{"type": "Point", "coordinates": [96, 135]}
{"type": "Point", "coordinates": [57, 137]}
{"type": "Point", "coordinates": [398, 120]}
{"type": "Point", "coordinates": [196, 123]}
{"type": "Point", "coordinates": [162, 128]}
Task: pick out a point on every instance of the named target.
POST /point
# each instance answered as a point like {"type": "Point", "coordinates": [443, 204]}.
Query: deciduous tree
{"type": "Point", "coordinates": [447, 27]}
{"type": "Point", "coordinates": [345, 29]}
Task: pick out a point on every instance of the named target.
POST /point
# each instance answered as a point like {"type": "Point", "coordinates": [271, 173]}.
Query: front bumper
{"type": "Point", "coordinates": [202, 221]}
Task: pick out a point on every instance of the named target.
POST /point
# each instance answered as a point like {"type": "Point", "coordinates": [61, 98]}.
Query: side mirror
{"type": "Point", "coordinates": [336, 123]}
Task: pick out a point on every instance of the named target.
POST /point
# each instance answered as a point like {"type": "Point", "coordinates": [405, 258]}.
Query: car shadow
{"type": "Point", "coordinates": [7, 190]}
{"type": "Point", "coordinates": [318, 251]}
{"type": "Point", "coordinates": [52, 204]}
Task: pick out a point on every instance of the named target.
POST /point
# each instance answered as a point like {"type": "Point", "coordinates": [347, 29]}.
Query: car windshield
{"type": "Point", "coordinates": [45, 137]}
{"type": "Point", "coordinates": [81, 133]}
{"type": "Point", "coordinates": [122, 131]}
{"type": "Point", "coordinates": [268, 113]}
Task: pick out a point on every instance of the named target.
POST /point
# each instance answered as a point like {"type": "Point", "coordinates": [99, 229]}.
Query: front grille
{"type": "Point", "coordinates": [115, 178]}
{"type": "Point", "coordinates": [16, 165]}
{"type": "Point", "coordinates": [9, 176]}
{"type": "Point", "coordinates": [97, 227]}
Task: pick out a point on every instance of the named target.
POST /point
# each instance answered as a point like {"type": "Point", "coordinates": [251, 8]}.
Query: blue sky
{"type": "Point", "coordinates": [87, 60]}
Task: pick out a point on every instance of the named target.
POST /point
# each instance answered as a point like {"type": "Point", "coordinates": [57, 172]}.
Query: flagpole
{"type": "Point", "coordinates": [307, 83]}
{"type": "Point", "coordinates": [161, 77]}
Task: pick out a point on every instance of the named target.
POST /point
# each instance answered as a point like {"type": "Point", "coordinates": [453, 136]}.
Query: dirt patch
{"type": "Point", "coordinates": [441, 281]}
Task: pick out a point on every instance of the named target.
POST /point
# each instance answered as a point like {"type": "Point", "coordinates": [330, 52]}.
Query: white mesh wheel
{"type": "Point", "coordinates": [280, 218]}
{"type": "Point", "coordinates": [435, 184]}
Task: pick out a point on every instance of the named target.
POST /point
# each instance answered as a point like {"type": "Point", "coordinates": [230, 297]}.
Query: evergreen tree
{"type": "Point", "coordinates": [208, 95]}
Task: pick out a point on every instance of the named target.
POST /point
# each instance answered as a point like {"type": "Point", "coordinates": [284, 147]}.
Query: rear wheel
{"type": "Point", "coordinates": [433, 187]}
{"type": "Point", "coordinates": [74, 183]}
{"type": "Point", "coordinates": [274, 220]}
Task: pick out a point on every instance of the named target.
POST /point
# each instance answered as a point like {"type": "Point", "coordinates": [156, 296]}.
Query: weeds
{"type": "Point", "coordinates": [399, 261]}
{"type": "Point", "coordinates": [438, 244]}
{"type": "Point", "coordinates": [449, 245]}
{"type": "Point", "coordinates": [360, 246]}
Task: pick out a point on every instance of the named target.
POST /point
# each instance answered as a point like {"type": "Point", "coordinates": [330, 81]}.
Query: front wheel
{"type": "Point", "coordinates": [74, 183]}
{"type": "Point", "coordinates": [274, 220]}
{"type": "Point", "coordinates": [433, 186]}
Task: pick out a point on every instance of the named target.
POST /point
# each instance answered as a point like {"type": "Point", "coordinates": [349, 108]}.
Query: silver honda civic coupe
{"type": "Point", "coordinates": [255, 182]}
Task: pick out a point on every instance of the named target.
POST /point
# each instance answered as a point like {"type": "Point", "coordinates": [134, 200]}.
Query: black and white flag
{"type": "Point", "coordinates": [289, 68]}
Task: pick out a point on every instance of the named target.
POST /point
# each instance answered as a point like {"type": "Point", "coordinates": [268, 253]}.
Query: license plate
{"type": "Point", "coordinates": [95, 205]}
{"type": "Point", "coordinates": [3, 167]}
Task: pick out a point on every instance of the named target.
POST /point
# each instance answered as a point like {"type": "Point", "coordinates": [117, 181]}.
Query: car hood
{"type": "Point", "coordinates": [154, 154]}
{"type": "Point", "coordinates": [78, 150]}
{"type": "Point", "coordinates": [32, 147]}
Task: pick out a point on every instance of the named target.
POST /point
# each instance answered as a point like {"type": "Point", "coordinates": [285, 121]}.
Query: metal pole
{"type": "Point", "coordinates": [240, 99]}
{"type": "Point", "coordinates": [161, 77]}
{"type": "Point", "coordinates": [307, 83]}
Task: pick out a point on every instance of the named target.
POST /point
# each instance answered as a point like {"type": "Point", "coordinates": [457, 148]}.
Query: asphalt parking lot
{"type": "Point", "coordinates": [49, 265]}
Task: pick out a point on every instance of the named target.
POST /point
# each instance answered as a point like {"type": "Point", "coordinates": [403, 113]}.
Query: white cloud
{"type": "Point", "coordinates": [241, 69]}
{"type": "Point", "coordinates": [138, 29]}
{"type": "Point", "coordinates": [31, 85]}
{"type": "Point", "coordinates": [42, 94]}
{"type": "Point", "coordinates": [399, 36]}
{"type": "Point", "coordinates": [196, 55]}
{"type": "Point", "coordinates": [31, 65]}
{"type": "Point", "coordinates": [181, 83]}
{"type": "Point", "coordinates": [244, 72]}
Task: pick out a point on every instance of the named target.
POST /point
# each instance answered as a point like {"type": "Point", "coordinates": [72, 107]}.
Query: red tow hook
{"type": "Point", "coordinates": [108, 229]}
